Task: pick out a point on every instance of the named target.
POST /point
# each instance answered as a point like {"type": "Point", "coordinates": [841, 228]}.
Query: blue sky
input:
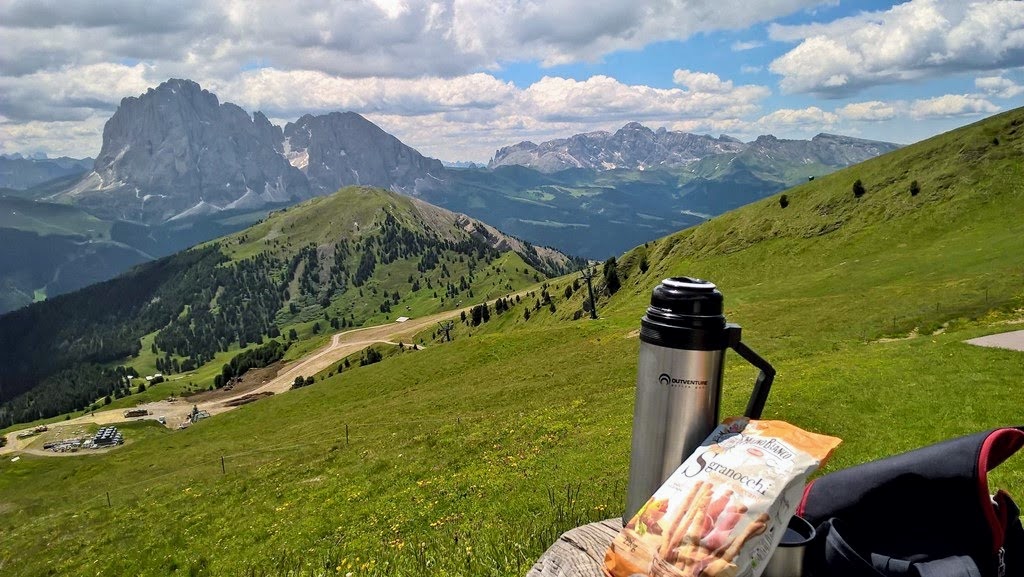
{"type": "Point", "coordinates": [743, 56]}
{"type": "Point", "coordinates": [459, 78]}
{"type": "Point", "coordinates": [712, 51]}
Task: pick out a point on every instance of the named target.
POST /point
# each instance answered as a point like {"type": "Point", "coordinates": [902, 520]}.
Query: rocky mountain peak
{"type": "Point", "coordinates": [175, 84]}
{"type": "Point", "coordinates": [635, 126]}
{"type": "Point", "coordinates": [633, 146]}
{"type": "Point", "coordinates": [343, 148]}
{"type": "Point", "coordinates": [637, 147]}
{"type": "Point", "coordinates": [177, 152]}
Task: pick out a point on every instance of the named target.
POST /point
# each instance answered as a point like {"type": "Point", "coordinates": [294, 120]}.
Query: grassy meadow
{"type": "Point", "coordinates": [470, 457]}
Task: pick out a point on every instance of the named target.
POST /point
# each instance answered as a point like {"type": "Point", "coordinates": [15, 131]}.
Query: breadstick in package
{"type": "Point", "coordinates": [724, 510]}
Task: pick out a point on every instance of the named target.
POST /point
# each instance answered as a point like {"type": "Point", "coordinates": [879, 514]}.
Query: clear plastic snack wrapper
{"type": "Point", "coordinates": [725, 509]}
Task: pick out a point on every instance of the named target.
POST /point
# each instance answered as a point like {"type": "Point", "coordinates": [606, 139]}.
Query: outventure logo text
{"type": "Point", "coordinates": [667, 380]}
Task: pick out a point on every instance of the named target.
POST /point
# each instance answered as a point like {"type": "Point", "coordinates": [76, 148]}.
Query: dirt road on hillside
{"type": "Point", "coordinates": [175, 411]}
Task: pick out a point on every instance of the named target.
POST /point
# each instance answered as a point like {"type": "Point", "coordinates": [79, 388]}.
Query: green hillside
{"type": "Point", "coordinates": [359, 257]}
{"type": "Point", "coordinates": [470, 457]}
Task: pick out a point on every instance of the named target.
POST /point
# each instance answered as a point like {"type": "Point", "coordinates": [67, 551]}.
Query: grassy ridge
{"type": "Point", "coordinates": [458, 456]}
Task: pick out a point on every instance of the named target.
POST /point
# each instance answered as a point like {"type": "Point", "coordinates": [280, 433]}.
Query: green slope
{"type": "Point", "coordinates": [359, 257]}
{"type": "Point", "coordinates": [458, 457]}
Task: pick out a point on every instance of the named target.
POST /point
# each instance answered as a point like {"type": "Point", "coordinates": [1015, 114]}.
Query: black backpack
{"type": "Point", "coordinates": [926, 513]}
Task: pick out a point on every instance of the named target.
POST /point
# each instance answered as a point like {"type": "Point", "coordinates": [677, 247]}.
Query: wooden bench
{"type": "Point", "coordinates": [578, 552]}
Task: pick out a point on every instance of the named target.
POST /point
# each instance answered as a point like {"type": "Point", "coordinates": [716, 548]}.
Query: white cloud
{"type": "Point", "coordinates": [712, 126]}
{"type": "Point", "coordinates": [468, 115]}
{"type": "Point", "coordinates": [558, 99]}
{"type": "Point", "coordinates": [916, 39]}
{"type": "Point", "coordinates": [409, 38]}
{"type": "Point", "coordinates": [78, 138]}
{"type": "Point", "coordinates": [873, 110]}
{"type": "Point", "coordinates": [788, 118]}
{"type": "Point", "coordinates": [555, 107]}
{"type": "Point", "coordinates": [392, 8]}
{"type": "Point", "coordinates": [550, 99]}
{"type": "Point", "coordinates": [562, 31]}
{"type": "Point", "coordinates": [72, 92]}
{"type": "Point", "coordinates": [425, 69]}
{"type": "Point", "coordinates": [951, 105]}
{"type": "Point", "coordinates": [474, 138]}
{"type": "Point", "coordinates": [701, 81]}
{"type": "Point", "coordinates": [998, 86]}
{"type": "Point", "coordinates": [64, 61]}
{"type": "Point", "coordinates": [748, 45]}
{"type": "Point", "coordinates": [273, 91]}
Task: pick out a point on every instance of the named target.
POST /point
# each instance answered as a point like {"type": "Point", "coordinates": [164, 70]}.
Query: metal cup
{"type": "Point", "coordinates": [788, 559]}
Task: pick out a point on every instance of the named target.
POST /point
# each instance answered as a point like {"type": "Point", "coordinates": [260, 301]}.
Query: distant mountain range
{"type": "Point", "coordinates": [178, 153]}
{"type": "Point", "coordinates": [600, 193]}
{"type": "Point", "coordinates": [636, 147]}
{"type": "Point", "coordinates": [19, 172]}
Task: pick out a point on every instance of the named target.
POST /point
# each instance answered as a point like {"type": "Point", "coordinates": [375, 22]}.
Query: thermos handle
{"type": "Point", "coordinates": [763, 384]}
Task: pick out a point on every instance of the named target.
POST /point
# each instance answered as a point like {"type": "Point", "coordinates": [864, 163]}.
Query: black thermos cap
{"type": "Point", "coordinates": [685, 313]}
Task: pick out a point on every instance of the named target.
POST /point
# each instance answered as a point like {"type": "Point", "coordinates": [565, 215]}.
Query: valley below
{"type": "Point", "coordinates": [176, 410]}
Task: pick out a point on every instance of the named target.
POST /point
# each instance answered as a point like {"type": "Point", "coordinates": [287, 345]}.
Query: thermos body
{"type": "Point", "coordinates": [676, 409]}
{"type": "Point", "coordinates": [683, 339]}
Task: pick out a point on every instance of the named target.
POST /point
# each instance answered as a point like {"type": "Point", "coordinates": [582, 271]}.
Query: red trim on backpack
{"type": "Point", "coordinates": [803, 500]}
{"type": "Point", "coordinates": [996, 448]}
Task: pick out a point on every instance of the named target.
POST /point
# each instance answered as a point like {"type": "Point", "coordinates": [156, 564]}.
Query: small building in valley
{"type": "Point", "coordinates": [107, 437]}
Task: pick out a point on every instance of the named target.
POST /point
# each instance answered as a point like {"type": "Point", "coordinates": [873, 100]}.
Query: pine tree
{"type": "Point", "coordinates": [611, 276]}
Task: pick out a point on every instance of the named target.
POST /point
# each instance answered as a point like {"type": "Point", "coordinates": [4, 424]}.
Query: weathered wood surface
{"type": "Point", "coordinates": [578, 552]}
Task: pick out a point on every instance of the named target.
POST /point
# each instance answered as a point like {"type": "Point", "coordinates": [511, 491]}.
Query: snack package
{"type": "Point", "coordinates": [725, 509]}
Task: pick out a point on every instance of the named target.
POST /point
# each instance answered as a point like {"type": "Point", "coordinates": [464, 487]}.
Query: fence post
{"type": "Point", "coordinates": [108, 498]}
{"type": "Point", "coordinates": [223, 471]}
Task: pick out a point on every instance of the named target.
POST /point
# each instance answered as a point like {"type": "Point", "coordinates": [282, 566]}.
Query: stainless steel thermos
{"type": "Point", "coordinates": [683, 338]}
